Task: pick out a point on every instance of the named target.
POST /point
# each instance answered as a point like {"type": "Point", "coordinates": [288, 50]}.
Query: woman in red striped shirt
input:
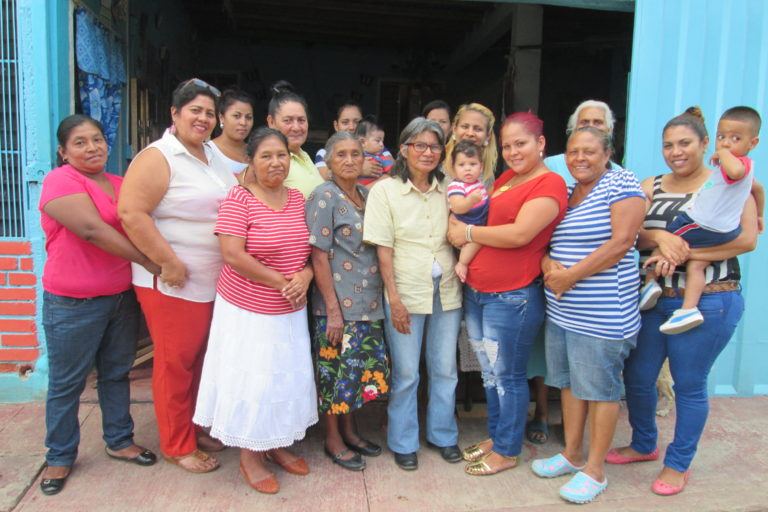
{"type": "Point", "coordinates": [257, 390]}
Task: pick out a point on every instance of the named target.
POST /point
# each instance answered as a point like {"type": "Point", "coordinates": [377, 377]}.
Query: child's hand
{"type": "Point", "coordinates": [475, 196]}
{"type": "Point", "coordinates": [715, 160]}
{"type": "Point", "coordinates": [461, 271]}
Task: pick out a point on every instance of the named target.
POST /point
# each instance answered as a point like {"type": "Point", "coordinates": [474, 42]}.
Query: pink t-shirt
{"type": "Point", "coordinates": [74, 267]}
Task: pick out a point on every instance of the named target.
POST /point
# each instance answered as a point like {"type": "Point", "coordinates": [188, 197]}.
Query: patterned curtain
{"type": "Point", "coordinates": [100, 72]}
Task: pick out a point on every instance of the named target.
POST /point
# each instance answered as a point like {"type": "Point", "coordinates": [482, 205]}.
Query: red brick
{"type": "Point", "coordinates": [8, 368]}
{"type": "Point", "coordinates": [18, 354]}
{"type": "Point", "coordinates": [15, 248]}
{"type": "Point", "coordinates": [19, 340]}
{"type": "Point", "coordinates": [9, 263]}
{"type": "Point", "coordinates": [17, 308]}
{"type": "Point", "coordinates": [26, 264]}
{"type": "Point", "coordinates": [17, 325]}
{"type": "Point", "coordinates": [17, 294]}
{"type": "Point", "coordinates": [21, 279]}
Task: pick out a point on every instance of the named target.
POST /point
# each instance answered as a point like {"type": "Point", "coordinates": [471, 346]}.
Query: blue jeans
{"type": "Point", "coordinates": [502, 327]}
{"type": "Point", "coordinates": [80, 333]}
{"type": "Point", "coordinates": [442, 330]}
{"type": "Point", "coordinates": [691, 356]}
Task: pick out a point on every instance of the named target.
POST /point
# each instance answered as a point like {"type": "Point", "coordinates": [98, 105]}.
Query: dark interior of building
{"type": "Point", "coordinates": [392, 57]}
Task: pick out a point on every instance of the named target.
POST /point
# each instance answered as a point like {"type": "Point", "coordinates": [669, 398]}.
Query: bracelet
{"type": "Point", "coordinates": [468, 233]}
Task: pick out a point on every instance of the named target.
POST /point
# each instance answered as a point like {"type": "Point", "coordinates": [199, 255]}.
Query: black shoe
{"type": "Point", "coordinates": [356, 463]}
{"type": "Point", "coordinates": [450, 454]}
{"type": "Point", "coordinates": [407, 461]}
{"type": "Point", "coordinates": [366, 448]}
{"type": "Point", "coordinates": [51, 486]}
{"type": "Point", "coordinates": [145, 458]}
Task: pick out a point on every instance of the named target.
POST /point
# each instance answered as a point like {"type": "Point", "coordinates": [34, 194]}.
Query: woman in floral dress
{"type": "Point", "coordinates": [349, 342]}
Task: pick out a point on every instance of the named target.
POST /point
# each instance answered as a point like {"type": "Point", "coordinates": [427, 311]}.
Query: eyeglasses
{"type": "Point", "coordinates": [421, 147]}
{"type": "Point", "coordinates": [202, 83]}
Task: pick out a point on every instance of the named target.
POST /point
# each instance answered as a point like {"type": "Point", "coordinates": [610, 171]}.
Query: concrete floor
{"type": "Point", "coordinates": [729, 474]}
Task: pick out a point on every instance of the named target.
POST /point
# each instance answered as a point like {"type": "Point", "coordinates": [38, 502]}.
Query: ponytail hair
{"type": "Point", "coordinates": [692, 118]}
{"type": "Point", "coordinates": [283, 92]}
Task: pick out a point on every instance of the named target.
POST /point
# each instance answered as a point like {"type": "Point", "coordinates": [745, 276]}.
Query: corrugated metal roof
{"type": "Point", "coordinates": [711, 53]}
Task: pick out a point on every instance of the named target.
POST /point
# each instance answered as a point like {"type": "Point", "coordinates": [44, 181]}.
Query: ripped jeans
{"type": "Point", "coordinates": [502, 327]}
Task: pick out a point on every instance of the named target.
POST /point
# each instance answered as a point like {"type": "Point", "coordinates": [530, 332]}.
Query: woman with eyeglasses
{"type": "Point", "coordinates": [168, 206]}
{"type": "Point", "coordinates": [406, 218]}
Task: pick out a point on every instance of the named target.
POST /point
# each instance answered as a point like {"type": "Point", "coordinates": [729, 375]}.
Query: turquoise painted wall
{"type": "Point", "coordinates": [711, 53]}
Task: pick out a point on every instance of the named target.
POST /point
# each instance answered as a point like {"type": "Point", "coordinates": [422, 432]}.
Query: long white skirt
{"type": "Point", "coordinates": [257, 389]}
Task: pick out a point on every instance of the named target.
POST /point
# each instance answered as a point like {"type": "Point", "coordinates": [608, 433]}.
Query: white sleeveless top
{"type": "Point", "coordinates": [186, 217]}
{"type": "Point", "coordinates": [235, 166]}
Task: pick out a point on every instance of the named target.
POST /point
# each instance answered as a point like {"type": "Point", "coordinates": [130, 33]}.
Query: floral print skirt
{"type": "Point", "coordinates": [354, 371]}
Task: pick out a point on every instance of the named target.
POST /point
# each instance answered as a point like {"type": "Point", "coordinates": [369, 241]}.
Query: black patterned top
{"type": "Point", "coordinates": [664, 207]}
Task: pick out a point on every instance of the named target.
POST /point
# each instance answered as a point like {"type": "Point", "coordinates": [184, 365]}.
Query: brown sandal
{"type": "Point", "coordinates": [267, 485]}
{"type": "Point", "coordinates": [482, 468]}
{"type": "Point", "coordinates": [197, 454]}
{"type": "Point", "coordinates": [296, 466]}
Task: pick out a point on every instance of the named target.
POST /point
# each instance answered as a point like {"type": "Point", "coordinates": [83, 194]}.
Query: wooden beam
{"type": "Point", "coordinates": [598, 5]}
{"type": "Point", "coordinates": [494, 24]}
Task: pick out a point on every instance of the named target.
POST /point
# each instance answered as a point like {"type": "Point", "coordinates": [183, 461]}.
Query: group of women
{"type": "Point", "coordinates": [230, 244]}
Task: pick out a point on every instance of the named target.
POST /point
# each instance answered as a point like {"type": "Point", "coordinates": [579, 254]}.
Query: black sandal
{"type": "Point", "coordinates": [145, 458]}
{"type": "Point", "coordinates": [356, 463]}
{"type": "Point", "coordinates": [366, 448]}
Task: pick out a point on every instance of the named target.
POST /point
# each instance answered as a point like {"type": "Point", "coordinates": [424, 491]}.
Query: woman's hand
{"type": "Point", "coordinates": [457, 232]}
{"type": "Point", "coordinates": [371, 168]}
{"type": "Point", "coordinates": [334, 328]}
{"type": "Point", "coordinates": [173, 273]}
{"type": "Point", "coordinates": [672, 247]}
{"type": "Point", "coordinates": [559, 281]}
{"type": "Point", "coordinates": [548, 265]}
{"type": "Point", "coordinates": [296, 289]}
{"type": "Point", "coordinates": [401, 319]}
{"type": "Point", "coordinates": [662, 267]}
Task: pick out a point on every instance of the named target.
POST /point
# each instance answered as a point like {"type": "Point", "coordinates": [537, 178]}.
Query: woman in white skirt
{"type": "Point", "coordinates": [257, 390]}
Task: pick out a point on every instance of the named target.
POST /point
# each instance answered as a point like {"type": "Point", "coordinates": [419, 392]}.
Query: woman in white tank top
{"type": "Point", "coordinates": [236, 122]}
{"type": "Point", "coordinates": [170, 201]}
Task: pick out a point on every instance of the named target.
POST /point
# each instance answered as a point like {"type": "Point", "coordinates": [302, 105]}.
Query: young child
{"type": "Point", "coordinates": [467, 196]}
{"type": "Point", "coordinates": [371, 136]}
{"type": "Point", "coordinates": [714, 216]}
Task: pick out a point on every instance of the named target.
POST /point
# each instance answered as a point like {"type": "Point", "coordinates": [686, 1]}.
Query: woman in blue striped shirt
{"type": "Point", "coordinates": [592, 317]}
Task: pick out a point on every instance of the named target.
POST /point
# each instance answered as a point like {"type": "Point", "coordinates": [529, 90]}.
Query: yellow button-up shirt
{"type": "Point", "coordinates": [414, 224]}
{"type": "Point", "coordinates": [303, 175]}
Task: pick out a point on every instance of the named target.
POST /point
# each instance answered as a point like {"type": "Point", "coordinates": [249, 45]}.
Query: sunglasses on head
{"type": "Point", "coordinates": [202, 83]}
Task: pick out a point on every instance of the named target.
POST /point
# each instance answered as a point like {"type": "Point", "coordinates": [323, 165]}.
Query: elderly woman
{"type": "Point", "coordinates": [407, 219]}
{"type": "Point", "coordinates": [287, 113]}
{"type": "Point", "coordinates": [593, 113]}
{"type": "Point", "coordinates": [691, 354]}
{"type": "Point", "coordinates": [257, 391]}
{"type": "Point", "coordinates": [592, 316]}
{"type": "Point", "coordinates": [90, 313]}
{"type": "Point", "coordinates": [503, 297]}
{"type": "Point", "coordinates": [236, 122]}
{"type": "Point", "coordinates": [352, 367]}
{"type": "Point", "coordinates": [170, 200]}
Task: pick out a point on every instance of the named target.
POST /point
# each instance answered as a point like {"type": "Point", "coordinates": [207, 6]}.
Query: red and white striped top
{"type": "Point", "coordinates": [277, 239]}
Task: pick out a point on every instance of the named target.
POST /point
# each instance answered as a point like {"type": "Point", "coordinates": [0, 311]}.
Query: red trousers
{"type": "Point", "coordinates": [179, 330]}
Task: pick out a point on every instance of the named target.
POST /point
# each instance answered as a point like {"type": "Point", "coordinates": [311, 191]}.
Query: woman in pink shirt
{"type": "Point", "coordinates": [90, 313]}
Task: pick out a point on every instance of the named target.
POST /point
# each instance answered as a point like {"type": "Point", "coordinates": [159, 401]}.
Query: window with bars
{"type": "Point", "coordinates": [12, 185]}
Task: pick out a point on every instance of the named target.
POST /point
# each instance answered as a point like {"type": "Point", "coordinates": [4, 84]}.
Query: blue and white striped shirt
{"type": "Point", "coordinates": [603, 305]}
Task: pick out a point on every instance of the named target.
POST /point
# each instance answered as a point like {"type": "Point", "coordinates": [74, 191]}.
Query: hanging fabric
{"type": "Point", "coordinates": [100, 73]}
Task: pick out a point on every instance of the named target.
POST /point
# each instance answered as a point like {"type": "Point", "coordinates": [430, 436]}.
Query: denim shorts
{"type": "Point", "coordinates": [591, 367]}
